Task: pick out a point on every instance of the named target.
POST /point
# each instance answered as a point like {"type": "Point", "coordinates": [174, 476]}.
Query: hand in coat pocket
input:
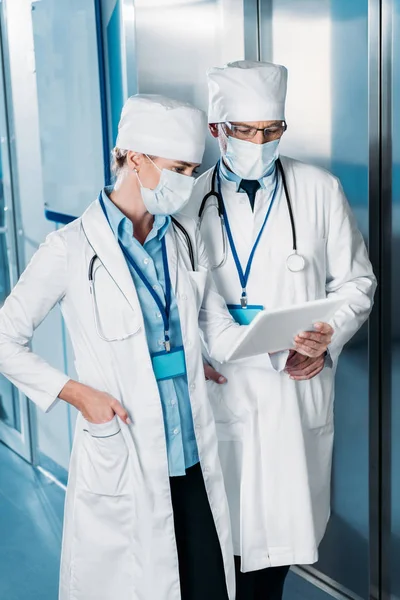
{"type": "Point", "coordinates": [96, 407]}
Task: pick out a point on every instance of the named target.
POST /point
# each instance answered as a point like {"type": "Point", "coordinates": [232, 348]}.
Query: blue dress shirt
{"type": "Point", "coordinates": [267, 182]}
{"type": "Point", "coordinates": [178, 421]}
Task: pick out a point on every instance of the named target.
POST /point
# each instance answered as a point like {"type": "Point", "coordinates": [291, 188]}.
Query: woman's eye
{"type": "Point", "coordinates": [178, 169]}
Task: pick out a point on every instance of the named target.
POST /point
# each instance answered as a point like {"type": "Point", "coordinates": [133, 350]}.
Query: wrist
{"type": "Point", "coordinates": [74, 393]}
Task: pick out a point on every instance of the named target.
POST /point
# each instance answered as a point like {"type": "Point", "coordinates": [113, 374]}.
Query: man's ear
{"type": "Point", "coordinates": [213, 127]}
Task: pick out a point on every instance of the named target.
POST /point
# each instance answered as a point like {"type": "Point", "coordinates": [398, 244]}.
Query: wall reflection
{"type": "Point", "coordinates": [325, 46]}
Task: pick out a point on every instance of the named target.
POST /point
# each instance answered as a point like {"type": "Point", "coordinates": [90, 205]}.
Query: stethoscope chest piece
{"type": "Point", "coordinates": [295, 262]}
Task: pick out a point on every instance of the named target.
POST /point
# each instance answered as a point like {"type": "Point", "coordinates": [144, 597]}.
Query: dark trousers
{"type": "Point", "coordinates": [200, 559]}
{"type": "Point", "coordinates": [266, 584]}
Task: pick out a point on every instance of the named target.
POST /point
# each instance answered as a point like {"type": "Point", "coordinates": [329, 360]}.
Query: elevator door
{"type": "Point", "coordinates": [395, 520]}
{"type": "Point", "coordinates": [324, 44]}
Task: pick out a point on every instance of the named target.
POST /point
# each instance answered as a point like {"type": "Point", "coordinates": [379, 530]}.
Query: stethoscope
{"type": "Point", "coordinates": [92, 288]}
{"type": "Point", "coordinates": [179, 226]}
{"type": "Point", "coordinates": [295, 262]}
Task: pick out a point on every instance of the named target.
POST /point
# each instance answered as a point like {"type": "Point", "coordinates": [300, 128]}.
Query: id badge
{"type": "Point", "coordinates": [167, 365]}
{"type": "Point", "coordinates": [244, 316]}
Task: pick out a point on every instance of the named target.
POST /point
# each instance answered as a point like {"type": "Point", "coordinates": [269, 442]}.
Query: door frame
{"type": "Point", "coordinates": [19, 441]}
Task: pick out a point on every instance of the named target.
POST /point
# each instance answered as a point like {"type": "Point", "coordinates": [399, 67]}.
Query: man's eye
{"type": "Point", "coordinates": [243, 129]}
{"type": "Point", "coordinates": [195, 171]}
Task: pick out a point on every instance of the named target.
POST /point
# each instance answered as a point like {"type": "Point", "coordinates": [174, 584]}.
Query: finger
{"type": "Point", "coordinates": [300, 364]}
{"type": "Point", "coordinates": [297, 359]}
{"type": "Point", "coordinates": [310, 368]}
{"type": "Point", "coordinates": [309, 376]}
{"type": "Point", "coordinates": [311, 344]}
{"type": "Point", "coordinates": [321, 338]}
{"type": "Point", "coordinates": [213, 375]}
{"type": "Point", "coordinates": [324, 328]}
{"type": "Point", "coordinates": [312, 364]}
{"type": "Point", "coordinates": [121, 412]}
{"type": "Point", "coordinates": [307, 351]}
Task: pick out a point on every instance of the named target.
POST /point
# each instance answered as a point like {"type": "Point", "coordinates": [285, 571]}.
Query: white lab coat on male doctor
{"type": "Point", "coordinates": [276, 434]}
{"type": "Point", "coordinates": [119, 540]}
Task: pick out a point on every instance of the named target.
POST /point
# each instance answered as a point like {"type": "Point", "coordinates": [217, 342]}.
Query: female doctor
{"type": "Point", "coordinates": [146, 515]}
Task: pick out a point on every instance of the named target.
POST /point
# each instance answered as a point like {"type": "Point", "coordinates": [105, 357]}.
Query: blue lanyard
{"type": "Point", "coordinates": [164, 310]}
{"type": "Point", "coordinates": [244, 276]}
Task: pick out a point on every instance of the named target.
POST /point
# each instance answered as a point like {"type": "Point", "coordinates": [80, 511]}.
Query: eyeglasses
{"type": "Point", "coordinates": [245, 132]}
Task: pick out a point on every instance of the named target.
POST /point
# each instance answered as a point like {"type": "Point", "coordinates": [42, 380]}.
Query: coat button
{"type": "Point", "coordinates": [183, 297]}
{"type": "Point", "coordinates": [192, 386]}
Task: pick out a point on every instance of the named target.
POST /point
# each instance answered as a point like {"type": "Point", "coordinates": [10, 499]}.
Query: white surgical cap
{"type": "Point", "coordinates": [163, 127]}
{"type": "Point", "coordinates": [247, 91]}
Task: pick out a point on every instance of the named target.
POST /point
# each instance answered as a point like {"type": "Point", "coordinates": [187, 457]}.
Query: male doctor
{"type": "Point", "coordinates": [271, 249]}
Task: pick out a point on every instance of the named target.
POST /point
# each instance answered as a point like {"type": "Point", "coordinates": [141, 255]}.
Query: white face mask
{"type": "Point", "coordinates": [171, 194]}
{"type": "Point", "coordinates": [251, 161]}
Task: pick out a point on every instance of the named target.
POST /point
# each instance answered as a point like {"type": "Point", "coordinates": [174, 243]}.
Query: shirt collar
{"type": "Point", "coordinates": [228, 175]}
{"type": "Point", "coordinates": [119, 222]}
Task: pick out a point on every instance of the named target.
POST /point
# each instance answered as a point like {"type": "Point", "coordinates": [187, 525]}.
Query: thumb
{"type": "Point", "coordinates": [213, 375]}
{"type": "Point", "coordinates": [121, 412]}
{"type": "Point", "coordinates": [323, 328]}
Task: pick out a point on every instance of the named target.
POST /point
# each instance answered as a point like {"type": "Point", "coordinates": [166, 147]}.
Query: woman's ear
{"type": "Point", "coordinates": [134, 160]}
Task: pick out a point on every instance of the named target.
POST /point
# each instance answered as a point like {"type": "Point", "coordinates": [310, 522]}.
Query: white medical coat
{"type": "Point", "coordinates": [119, 540]}
{"type": "Point", "coordinates": [276, 434]}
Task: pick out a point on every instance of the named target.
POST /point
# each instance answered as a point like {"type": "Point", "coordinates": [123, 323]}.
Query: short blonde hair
{"type": "Point", "coordinates": [118, 160]}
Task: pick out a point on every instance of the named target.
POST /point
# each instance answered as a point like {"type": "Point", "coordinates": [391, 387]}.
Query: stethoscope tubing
{"type": "Point", "coordinates": [220, 203]}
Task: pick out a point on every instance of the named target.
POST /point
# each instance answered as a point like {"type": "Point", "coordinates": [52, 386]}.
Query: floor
{"type": "Point", "coordinates": [31, 509]}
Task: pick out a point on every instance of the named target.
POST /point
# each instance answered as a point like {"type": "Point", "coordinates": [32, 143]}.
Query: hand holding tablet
{"type": "Point", "coordinates": [275, 330]}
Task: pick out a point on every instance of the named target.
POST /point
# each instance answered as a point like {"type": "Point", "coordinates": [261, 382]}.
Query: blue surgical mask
{"type": "Point", "coordinates": [251, 161]}
{"type": "Point", "coordinates": [171, 194]}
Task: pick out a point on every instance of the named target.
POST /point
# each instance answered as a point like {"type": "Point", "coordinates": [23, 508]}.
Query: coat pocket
{"type": "Point", "coordinates": [316, 400]}
{"type": "Point", "coordinates": [104, 458]}
{"type": "Point", "coordinates": [114, 317]}
{"type": "Point", "coordinates": [105, 561]}
{"type": "Point", "coordinates": [198, 280]}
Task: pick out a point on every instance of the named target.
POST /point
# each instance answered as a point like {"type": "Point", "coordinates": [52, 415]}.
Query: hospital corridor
{"type": "Point", "coordinates": [155, 442]}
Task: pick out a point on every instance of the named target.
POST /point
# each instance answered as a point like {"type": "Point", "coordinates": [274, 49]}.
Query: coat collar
{"type": "Point", "coordinates": [105, 246]}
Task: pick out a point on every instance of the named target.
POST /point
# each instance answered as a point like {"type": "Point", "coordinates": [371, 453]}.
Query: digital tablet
{"type": "Point", "coordinates": [275, 330]}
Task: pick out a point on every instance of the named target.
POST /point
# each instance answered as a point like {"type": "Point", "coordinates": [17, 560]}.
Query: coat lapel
{"type": "Point", "coordinates": [104, 244]}
{"type": "Point", "coordinates": [171, 244]}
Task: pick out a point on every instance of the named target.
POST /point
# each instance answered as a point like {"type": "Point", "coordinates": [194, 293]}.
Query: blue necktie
{"type": "Point", "coordinates": [251, 187]}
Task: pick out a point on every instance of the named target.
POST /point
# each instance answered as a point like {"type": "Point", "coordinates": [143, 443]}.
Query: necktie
{"type": "Point", "coordinates": [250, 186]}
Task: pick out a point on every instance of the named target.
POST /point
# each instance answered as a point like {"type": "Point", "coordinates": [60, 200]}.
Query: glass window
{"type": "Point", "coordinates": [56, 104]}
